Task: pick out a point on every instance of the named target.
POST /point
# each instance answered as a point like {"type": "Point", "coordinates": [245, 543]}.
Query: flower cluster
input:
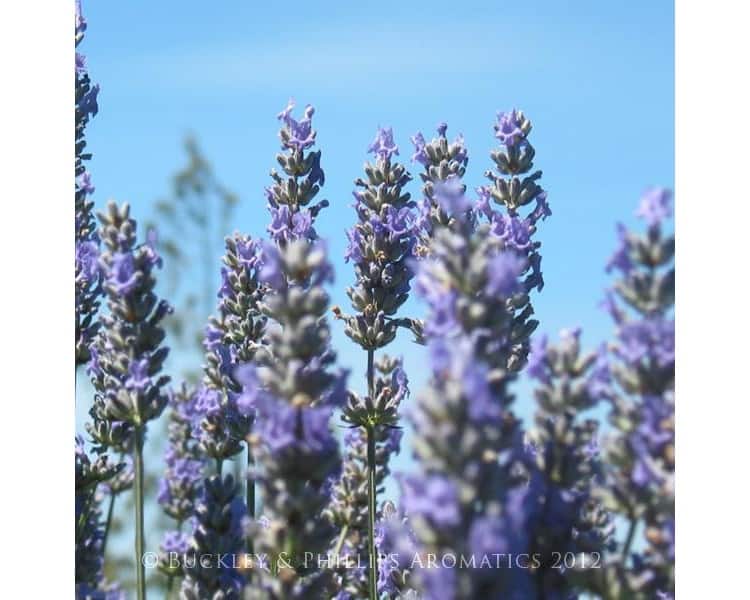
{"type": "Point", "coordinates": [380, 246]}
{"type": "Point", "coordinates": [89, 536]}
{"type": "Point", "coordinates": [232, 339]}
{"type": "Point", "coordinates": [219, 513]}
{"type": "Point", "coordinates": [460, 501]}
{"type": "Point", "coordinates": [515, 188]}
{"type": "Point", "coordinates": [564, 465]}
{"type": "Point", "coordinates": [486, 491]}
{"type": "Point", "coordinates": [127, 353]}
{"type": "Point", "coordinates": [443, 191]}
{"type": "Point", "coordinates": [290, 198]}
{"type": "Point", "coordinates": [88, 276]}
{"type": "Point", "coordinates": [639, 454]}
{"type": "Point", "coordinates": [183, 477]}
{"type": "Point", "coordinates": [294, 392]}
{"type": "Point", "coordinates": [348, 510]}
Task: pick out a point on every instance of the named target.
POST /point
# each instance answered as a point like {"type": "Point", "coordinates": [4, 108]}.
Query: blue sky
{"type": "Point", "coordinates": [596, 78]}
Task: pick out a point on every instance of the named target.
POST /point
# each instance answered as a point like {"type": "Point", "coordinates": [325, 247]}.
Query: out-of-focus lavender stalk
{"type": "Point", "coordinates": [293, 388]}
{"type": "Point", "coordinates": [469, 498]}
{"type": "Point", "coordinates": [127, 353]}
{"type": "Point", "coordinates": [88, 276]}
{"type": "Point", "coordinates": [89, 555]}
{"type": "Point", "coordinates": [640, 454]}
{"type": "Point", "coordinates": [181, 484]}
{"type": "Point", "coordinates": [569, 527]}
{"type": "Point", "coordinates": [380, 245]}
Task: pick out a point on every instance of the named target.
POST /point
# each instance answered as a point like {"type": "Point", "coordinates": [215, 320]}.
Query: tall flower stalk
{"type": "Point", "coordinates": [444, 165]}
{"type": "Point", "coordinates": [470, 498]}
{"type": "Point", "coordinates": [292, 386]}
{"type": "Point", "coordinates": [128, 352]}
{"type": "Point", "coordinates": [381, 244]}
{"type": "Point", "coordinates": [182, 481]}
{"type": "Point", "coordinates": [640, 453]}
{"type": "Point", "coordinates": [564, 466]}
{"type": "Point", "coordinates": [88, 276]}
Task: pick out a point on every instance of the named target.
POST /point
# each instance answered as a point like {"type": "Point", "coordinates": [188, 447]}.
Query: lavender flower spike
{"type": "Point", "coordinates": [127, 353]}
{"type": "Point", "coordinates": [564, 465]}
{"type": "Point", "coordinates": [640, 453]}
{"type": "Point", "coordinates": [444, 165]}
{"type": "Point", "coordinates": [88, 275]}
{"type": "Point", "coordinates": [381, 244]}
{"type": "Point", "coordinates": [290, 198]}
{"type": "Point", "coordinates": [522, 205]}
{"type": "Point", "coordinates": [295, 394]}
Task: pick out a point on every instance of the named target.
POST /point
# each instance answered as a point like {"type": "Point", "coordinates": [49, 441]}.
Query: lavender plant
{"type": "Point", "coordinates": [127, 354]}
{"type": "Point", "coordinates": [182, 481]}
{"type": "Point", "coordinates": [639, 454]}
{"type": "Point", "coordinates": [381, 244]}
{"type": "Point", "coordinates": [87, 277]}
{"type": "Point", "coordinates": [444, 165]}
{"type": "Point", "coordinates": [349, 510]}
{"type": "Point", "coordinates": [292, 387]}
{"type": "Point", "coordinates": [487, 491]}
{"type": "Point", "coordinates": [469, 499]}
{"type": "Point", "coordinates": [217, 540]}
{"type": "Point", "coordinates": [295, 394]}
{"type": "Point", "coordinates": [570, 529]}
{"type": "Point", "coordinates": [89, 533]}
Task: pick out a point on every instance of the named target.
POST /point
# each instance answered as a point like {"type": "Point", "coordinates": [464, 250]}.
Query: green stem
{"type": "Point", "coordinates": [629, 539]}
{"type": "Point", "coordinates": [249, 478]}
{"type": "Point", "coordinates": [372, 501]}
{"type": "Point", "coordinates": [340, 541]}
{"type": "Point", "coordinates": [170, 585]}
{"type": "Point", "coordinates": [140, 571]}
{"type": "Point", "coordinates": [372, 505]}
{"type": "Point", "coordinates": [108, 523]}
{"type": "Point", "coordinates": [219, 464]}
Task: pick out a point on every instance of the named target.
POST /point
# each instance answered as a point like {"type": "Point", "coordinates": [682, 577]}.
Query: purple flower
{"type": "Point", "coordinates": [84, 183]}
{"type": "Point", "coordinates": [420, 154]}
{"type": "Point", "coordinates": [175, 542]}
{"type": "Point", "coordinates": [383, 146]}
{"type": "Point", "coordinates": [451, 197]}
{"type": "Point", "coordinates": [621, 260]}
{"type": "Point", "coordinates": [297, 135]}
{"type": "Point", "coordinates": [123, 276]}
{"type": "Point", "coordinates": [537, 367]}
{"type": "Point", "coordinates": [285, 428]}
{"type": "Point", "coordinates": [138, 378]}
{"type": "Point", "coordinates": [431, 497]}
{"type": "Point", "coordinates": [508, 129]}
{"type": "Point", "coordinates": [503, 274]}
{"type": "Point", "coordinates": [655, 206]}
{"type": "Point", "coordinates": [87, 259]}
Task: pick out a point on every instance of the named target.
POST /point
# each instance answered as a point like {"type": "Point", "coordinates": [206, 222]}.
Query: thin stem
{"type": "Point", "coordinates": [372, 570]}
{"type": "Point", "coordinates": [219, 464]}
{"type": "Point", "coordinates": [139, 542]}
{"type": "Point", "coordinates": [170, 585]}
{"type": "Point", "coordinates": [108, 523]}
{"type": "Point", "coordinates": [629, 538]}
{"type": "Point", "coordinates": [340, 541]}
{"type": "Point", "coordinates": [372, 503]}
{"type": "Point", "coordinates": [250, 491]}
